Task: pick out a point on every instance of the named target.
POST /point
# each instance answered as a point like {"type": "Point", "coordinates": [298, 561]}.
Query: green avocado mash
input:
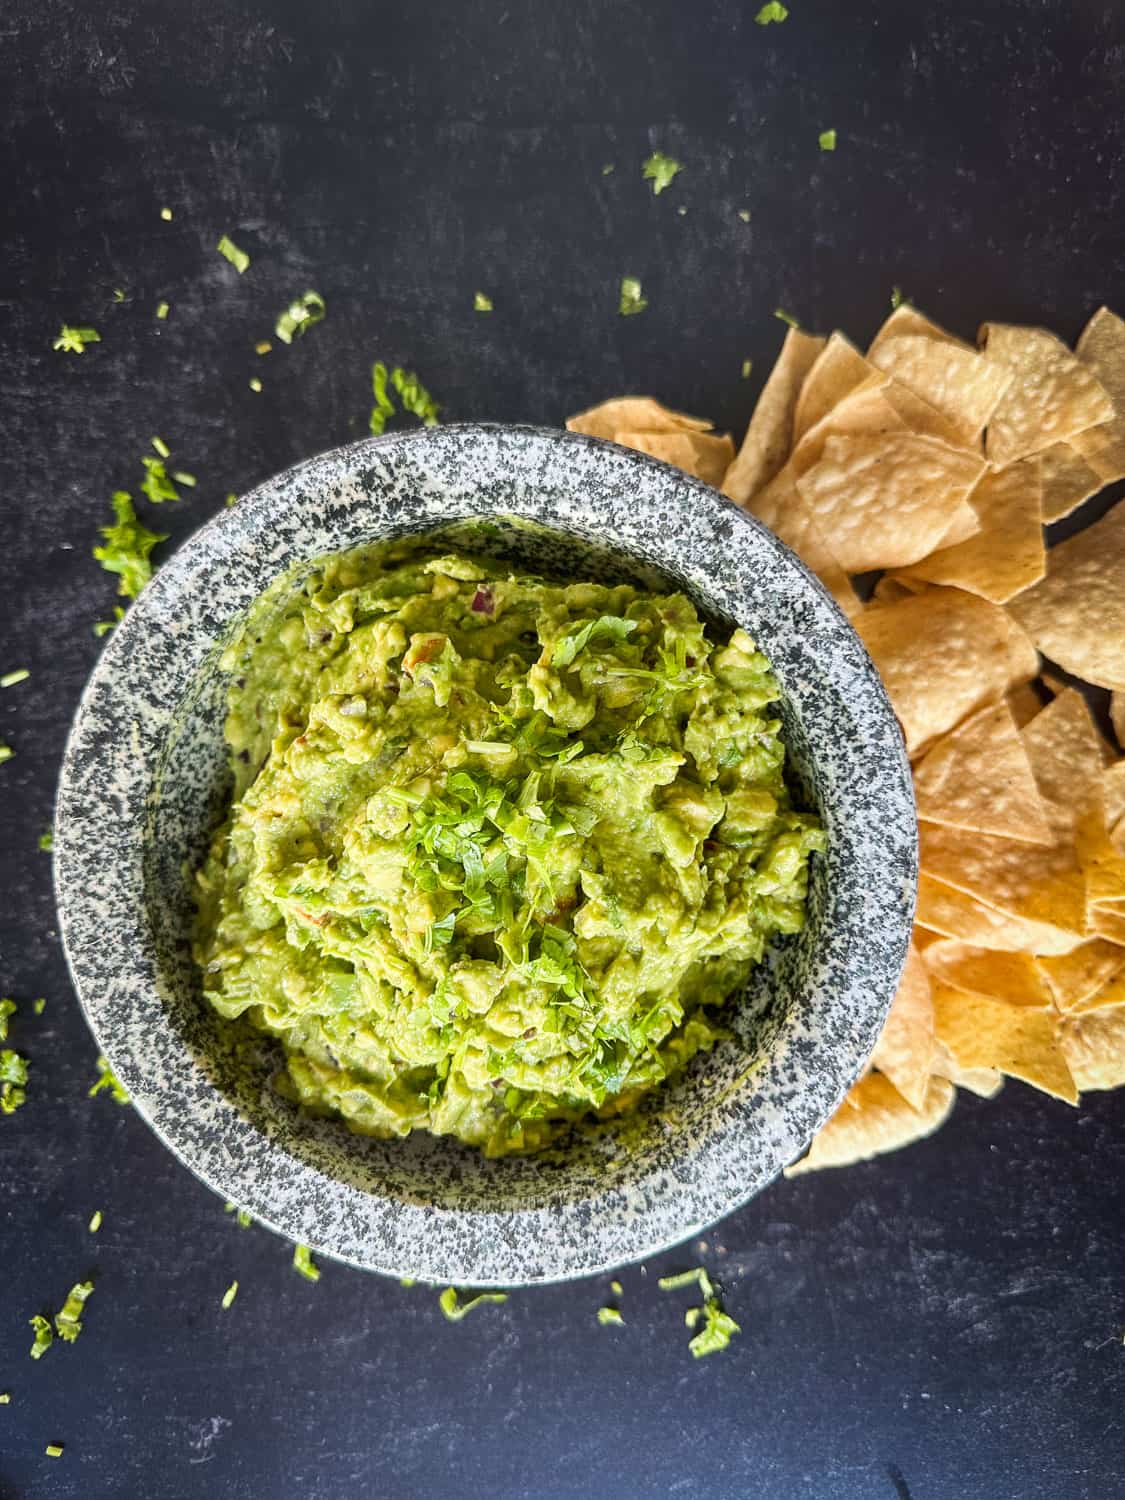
{"type": "Point", "coordinates": [498, 847]}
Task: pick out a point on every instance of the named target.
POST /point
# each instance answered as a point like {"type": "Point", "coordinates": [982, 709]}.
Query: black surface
{"type": "Point", "coordinates": [946, 1323]}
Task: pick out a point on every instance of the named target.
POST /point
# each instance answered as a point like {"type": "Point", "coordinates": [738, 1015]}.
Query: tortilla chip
{"type": "Point", "coordinates": [1011, 977]}
{"type": "Point", "coordinates": [703, 454]}
{"type": "Point", "coordinates": [979, 778]}
{"type": "Point", "coordinates": [1031, 881]}
{"type": "Point", "coordinates": [1102, 349]}
{"type": "Point", "coordinates": [633, 414]}
{"type": "Point", "coordinates": [983, 1081]}
{"type": "Point", "coordinates": [1017, 1039]}
{"type": "Point", "coordinates": [955, 380]}
{"type": "Point", "coordinates": [874, 1118]}
{"type": "Point", "coordinates": [769, 436]}
{"type": "Point", "coordinates": [1094, 1047]}
{"type": "Point", "coordinates": [889, 589]}
{"type": "Point", "coordinates": [965, 523]}
{"type": "Point", "coordinates": [838, 369]}
{"type": "Point", "coordinates": [780, 507]}
{"type": "Point", "coordinates": [919, 416]}
{"type": "Point", "coordinates": [942, 654]}
{"type": "Point", "coordinates": [1076, 615]}
{"type": "Point", "coordinates": [1102, 863]}
{"type": "Point", "coordinates": [905, 1048]}
{"type": "Point", "coordinates": [1007, 555]}
{"type": "Point", "coordinates": [905, 322]}
{"type": "Point", "coordinates": [1052, 395]}
{"type": "Point", "coordinates": [864, 412]}
{"type": "Point", "coordinates": [1117, 716]}
{"type": "Point", "coordinates": [1024, 703]}
{"type": "Point", "coordinates": [953, 913]}
{"type": "Point", "coordinates": [887, 500]}
{"type": "Point", "coordinates": [1091, 976]}
{"type": "Point", "coordinates": [1108, 923]}
{"type": "Point", "coordinates": [1067, 480]}
{"type": "Point", "coordinates": [1064, 749]}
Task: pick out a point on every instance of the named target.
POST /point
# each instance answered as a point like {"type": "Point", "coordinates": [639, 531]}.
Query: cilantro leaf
{"type": "Point", "coordinates": [103, 627]}
{"type": "Point", "coordinates": [68, 1324]}
{"type": "Point", "coordinates": [6, 752]}
{"type": "Point", "coordinates": [698, 1277]}
{"type": "Point", "coordinates": [39, 1006]}
{"type": "Point", "coordinates": [602, 631]}
{"type": "Point", "coordinates": [47, 840]}
{"type": "Point", "coordinates": [660, 170]}
{"type": "Point", "coordinates": [242, 1215]}
{"type": "Point", "coordinates": [827, 139]}
{"type": "Point", "coordinates": [384, 407]}
{"type": "Point", "coordinates": [716, 1332]}
{"type": "Point", "coordinates": [74, 340]}
{"type": "Point", "coordinates": [632, 300]}
{"type": "Point", "coordinates": [53, 1450]}
{"type": "Point", "coordinates": [610, 1315]}
{"type": "Point", "coordinates": [773, 11]}
{"type": "Point", "coordinates": [785, 317]}
{"type": "Point", "coordinates": [454, 1309]}
{"type": "Point", "coordinates": [44, 1336]}
{"type": "Point", "coordinates": [230, 251]}
{"type": "Point", "coordinates": [300, 315]}
{"type": "Point", "coordinates": [230, 1294]}
{"type": "Point", "coordinates": [414, 396]}
{"type": "Point", "coordinates": [162, 311]}
{"type": "Point", "coordinates": [128, 545]}
{"type": "Point", "coordinates": [108, 1080]}
{"type": "Point", "coordinates": [7, 1008]}
{"type": "Point", "coordinates": [13, 1076]}
{"type": "Point", "coordinates": [897, 299]}
{"type": "Point", "coordinates": [304, 1264]}
{"type": "Point", "coordinates": [95, 1221]}
{"type": "Point", "coordinates": [9, 679]}
{"type": "Point", "coordinates": [481, 303]}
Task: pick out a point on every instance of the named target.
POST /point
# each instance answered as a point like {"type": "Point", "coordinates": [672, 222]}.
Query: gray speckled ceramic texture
{"type": "Point", "coordinates": [143, 783]}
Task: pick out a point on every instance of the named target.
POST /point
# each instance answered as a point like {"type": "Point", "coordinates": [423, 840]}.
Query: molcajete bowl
{"type": "Point", "coordinates": [144, 782]}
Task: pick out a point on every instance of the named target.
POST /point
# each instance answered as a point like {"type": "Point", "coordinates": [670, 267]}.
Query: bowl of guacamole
{"type": "Point", "coordinates": [486, 855]}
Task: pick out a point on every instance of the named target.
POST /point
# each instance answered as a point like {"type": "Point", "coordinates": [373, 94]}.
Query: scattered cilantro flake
{"type": "Point", "coordinates": [232, 499]}
{"type": "Point", "coordinates": [9, 679]}
{"type": "Point", "coordinates": [119, 294]}
{"type": "Point", "coordinates": [481, 302]}
{"type": "Point", "coordinates": [54, 1450]}
{"type": "Point", "coordinates": [241, 1215]}
{"type": "Point", "coordinates": [13, 1076]}
{"type": "Point", "coordinates": [454, 1309]}
{"type": "Point", "coordinates": [74, 340]}
{"type": "Point", "coordinates": [47, 840]}
{"type": "Point", "coordinates": [230, 1294]}
{"type": "Point", "coordinates": [255, 384]}
{"type": "Point", "coordinates": [744, 215]}
{"type": "Point", "coordinates": [158, 485]}
{"type": "Point", "coordinates": [166, 215]}
{"type": "Point", "coordinates": [128, 545]}
{"type": "Point", "coordinates": [162, 310]}
{"type": "Point", "coordinates": [660, 170]}
{"type": "Point", "coordinates": [632, 301]}
{"type": "Point", "coordinates": [107, 1080]}
{"type": "Point", "coordinates": [747, 366]}
{"type": "Point", "coordinates": [407, 1282]}
{"type": "Point", "coordinates": [95, 1221]}
{"type": "Point", "coordinates": [827, 139]}
{"type": "Point", "coordinates": [6, 752]}
{"type": "Point", "coordinates": [616, 1288]}
{"type": "Point", "coordinates": [162, 447]}
{"type": "Point", "coordinates": [716, 1332]}
{"type": "Point", "coordinates": [68, 1324]}
{"type": "Point", "coordinates": [773, 11]}
{"type": "Point", "coordinates": [44, 1336]}
{"type": "Point", "coordinates": [682, 211]}
{"type": "Point", "coordinates": [263, 346]}
{"type": "Point", "coordinates": [304, 1264]}
{"type": "Point", "coordinates": [103, 627]}
{"type": "Point", "coordinates": [608, 168]}
{"type": "Point", "coordinates": [188, 481]}
{"type": "Point", "coordinates": [610, 1315]}
{"type": "Point", "coordinates": [698, 1277]}
{"type": "Point", "coordinates": [7, 1008]}
{"type": "Point", "coordinates": [384, 407]}
{"type": "Point", "coordinates": [39, 1006]}
{"type": "Point", "coordinates": [897, 298]}
{"type": "Point", "coordinates": [230, 251]}
{"type": "Point", "coordinates": [302, 313]}
{"type": "Point", "coordinates": [5, 1397]}
{"type": "Point", "coordinates": [414, 396]}
{"type": "Point", "coordinates": [779, 312]}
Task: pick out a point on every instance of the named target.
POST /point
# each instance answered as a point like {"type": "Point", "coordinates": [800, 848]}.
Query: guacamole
{"type": "Point", "coordinates": [499, 847]}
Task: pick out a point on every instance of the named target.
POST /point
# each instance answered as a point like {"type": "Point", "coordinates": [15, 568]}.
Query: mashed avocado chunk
{"type": "Point", "coordinates": [499, 847]}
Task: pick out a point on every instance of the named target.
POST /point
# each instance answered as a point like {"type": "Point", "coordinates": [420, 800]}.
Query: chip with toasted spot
{"type": "Point", "coordinates": [905, 1048]}
{"type": "Point", "coordinates": [1052, 395]}
{"type": "Point", "coordinates": [864, 412]}
{"type": "Point", "coordinates": [956, 381]}
{"type": "Point", "coordinates": [1034, 882]}
{"type": "Point", "coordinates": [633, 414]}
{"type": "Point", "coordinates": [954, 913]}
{"type": "Point", "coordinates": [1093, 1044]}
{"type": "Point", "coordinates": [704, 454]}
{"type": "Point", "coordinates": [1019, 1040]}
{"type": "Point", "coordinates": [983, 1081]}
{"type": "Point", "coordinates": [769, 436]}
{"type": "Point", "coordinates": [1102, 349]}
{"type": "Point", "coordinates": [874, 1118]}
{"type": "Point", "coordinates": [1012, 977]}
{"type": "Point", "coordinates": [979, 777]}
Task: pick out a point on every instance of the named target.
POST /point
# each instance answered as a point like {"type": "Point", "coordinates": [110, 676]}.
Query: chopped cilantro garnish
{"type": "Point", "coordinates": [44, 1336]}
{"type": "Point", "coordinates": [6, 752]}
{"type": "Point", "coordinates": [47, 840]}
{"type": "Point", "coordinates": [95, 1221]}
{"type": "Point", "coordinates": [119, 294]}
{"type": "Point", "coordinates": [632, 301]}
{"type": "Point", "coordinates": [604, 630]}
{"type": "Point", "coordinates": [744, 215]}
{"type": "Point", "coordinates": [242, 1215]}
{"type": "Point", "coordinates": [481, 302]}
{"type": "Point", "coordinates": [188, 481]}
{"type": "Point", "coordinates": [13, 1076]}
{"type": "Point", "coordinates": [698, 1277]}
{"type": "Point", "coordinates": [302, 313]}
{"type": "Point", "coordinates": [779, 312]}
{"type": "Point", "coordinates": [162, 447]}
{"type": "Point", "coordinates": [9, 679]}
{"type": "Point", "coordinates": [232, 499]}
{"type": "Point", "coordinates": [827, 139]}
{"type": "Point", "coordinates": [256, 385]}
{"type": "Point", "coordinates": [384, 407]}
{"type": "Point", "coordinates": [54, 1450]}
{"type": "Point", "coordinates": [263, 346]}
{"type": "Point", "coordinates": [773, 11]}
{"type": "Point", "coordinates": [660, 170]}
{"type": "Point", "coordinates": [607, 1315]}
{"type": "Point", "coordinates": [103, 627]}
{"type": "Point", "coordinates": [747, 366]}
{"type": "Point", "coordinates": [128, 545]}
{"type": "Point", "coordinates": [407, 1282]}
{"type": "Point", "coordinates": [616, 1288]}
{"type": "Point", "coordinates": [608, 168]}
{"type": "Point", "coordinates": [166, 215]}
{"type": "Point", "coordinates": [7, 1008]}
{"type": "Point", "coordinates": [454, 1309]}
{"type": "Point", "coordinates": [230, 251]}
{"type": "Point", "coordinates": [107, 1080]}
{"type": "Point", "coordinates": [68, 1324]}
{"type": "Point", "coordinates": [39, 1006]}
{"type": "Point", "coordinates": [411, 392]}
{"type": "Point", "coordinates": [158, 485]}
{"type": "Point", "coordinates": [897, 298]}
{"type": "Point", "coordinates": [162, 310]}
{"type": "Point", "coordinates": [5, 1397]}
{"type": "Point", "coordinates": [230, 1294]}
{"type": "Point", "coordinates": [718, 1326]}
{"type": "Point", "coordinates": [74, 340]}
{"type": "Point", "coordinates": [304, 1263]}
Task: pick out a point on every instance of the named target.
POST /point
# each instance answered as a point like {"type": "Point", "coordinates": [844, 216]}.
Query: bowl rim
{"type": "Point", "coordinates": [74, 869]}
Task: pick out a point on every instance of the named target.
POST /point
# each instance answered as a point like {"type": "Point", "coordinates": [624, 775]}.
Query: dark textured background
{"type": "Point", "coordinates": [944, 1325]}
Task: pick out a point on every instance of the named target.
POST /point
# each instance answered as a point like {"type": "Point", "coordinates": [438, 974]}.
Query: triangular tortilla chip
{"type": "Point", "coordinates": [874, 1118]}
{"type": "Point", "coordinates": [1067, 480]}
{"type": "Point", "coordinates": [958, 382]}
{"type": "Point", "coordinates": [1011, 977]}
{"type": "Point", "coordinates": [942, 654]}
{"type": "Point", "coordinates": [864, 412]}
{"type": "Point", "coordinates": [633, 414]}
{"type": "Point", "coordinates": [979, 778]}
{"type": "Point", "coordinates": [887, 500]}
{"type": "Point", "coordinates": [953, 913]}
{"type": "Point", "coordinates": [703, 454]}
{"type": "Point", "coordinates": [1024, 703]}
{"type": "Point", "coordinates": [838, 369]}
{"type": "Point", "coordinates": [780, 507]}
{"type": "Point", "coordinates": [769, 436]}
{"type": "Point", "coordinates": [1107, 922]}
{"type": "Point", "coordinates": [1007, 554]}
{"type": "Point", "coordinates": [905, 1049]}
{"type": "Point", "coordinates": [1102, 863]}
{"type": "Point", "coordinates": [1017, 1039]}
{"type": "Point", "coordinates": [1064, 749]}
{"type": "Point", "coordinates": [1102, 349]}
{"type": "Point", "coordinates": [965, 524]}
{"type": "Point", "coordinates": [1094, 1047]}
{"type": "Point", "coordinates": [1031, 881]}
{"type": "Point", "coordinates": [983, 1081]}
{"type": "Point", "coordinates": [1093, 975]}
{"type": "Point", "coordinates": [1076, 615]}
{"type": "Point", "coordinates": [1052, 395]}
{"type": "Point", "coordinates": [906, 321]}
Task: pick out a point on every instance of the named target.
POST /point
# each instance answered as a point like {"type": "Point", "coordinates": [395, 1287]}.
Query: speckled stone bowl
{"type": "Point", "coordinates": [144, 780]}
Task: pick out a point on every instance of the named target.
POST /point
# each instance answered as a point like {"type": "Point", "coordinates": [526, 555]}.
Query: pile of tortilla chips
{"type": "Point", "coordinates": [937, 465]}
